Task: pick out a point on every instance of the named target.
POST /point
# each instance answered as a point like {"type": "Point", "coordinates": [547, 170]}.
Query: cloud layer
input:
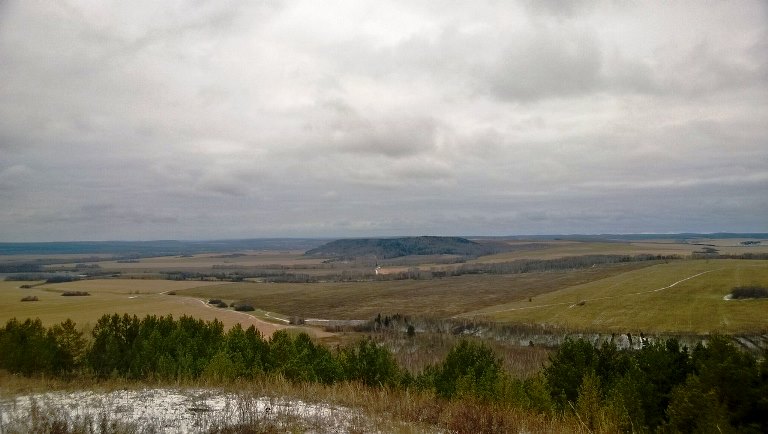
{"type": "Point", "coordinates": [190, 120]}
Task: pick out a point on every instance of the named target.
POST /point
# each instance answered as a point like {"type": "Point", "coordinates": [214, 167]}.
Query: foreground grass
{"type": "Point", "coordinates": [681, 296]}
{"type": "Point", "coordinates": [371, 409]}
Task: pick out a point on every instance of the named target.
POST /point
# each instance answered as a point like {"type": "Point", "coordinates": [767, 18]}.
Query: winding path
{"type": "Point", "coordinates": [266, 328]}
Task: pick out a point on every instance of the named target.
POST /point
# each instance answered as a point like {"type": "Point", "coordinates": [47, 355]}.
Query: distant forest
{"type": "Point", "coordinates": [387, 248]}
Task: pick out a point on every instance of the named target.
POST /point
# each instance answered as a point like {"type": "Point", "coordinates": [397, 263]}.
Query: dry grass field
{"type": "Point", "coordinates": [559, 249]}
{"type": "Point", "coordinates": [682, 296]}
{"type": "Point", "coordinates": [435, 298]}
{"type": "Point", "coordinates": [132, 296]}
{"type": "Point", "coordinates": [616, 297]}
{"type": "Point", "coordinates": [207, 261]}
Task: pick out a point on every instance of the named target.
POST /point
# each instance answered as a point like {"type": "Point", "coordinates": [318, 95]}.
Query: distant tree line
{"type": "Point", "coordinates": [218, 275]}
{"type": "Point", "coordinates": [526, 266]}
{"type": "Point", "coordinates": [716, 255]}
{"type": "Point", "coordinates": [750, 243]}
{"type": "Point", "coordinates": [21, 268]}
{"type": "Point", "coordinates": [286, 275]}
{"type": "Point", "coordinates": [661, 387]}
{"type": "Point", "coordinates": [566, 263]}
{"type": "Point", "coordinates": [511, 267]}
{"type": "Point", "coordinates": [387, 248]}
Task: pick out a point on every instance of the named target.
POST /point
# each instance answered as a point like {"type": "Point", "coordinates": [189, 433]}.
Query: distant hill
{"type": "Point", "coordinates": [386, 248]}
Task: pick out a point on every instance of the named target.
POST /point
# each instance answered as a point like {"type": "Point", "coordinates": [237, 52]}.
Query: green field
{"type": "Point", "coordinates": [650, 300]}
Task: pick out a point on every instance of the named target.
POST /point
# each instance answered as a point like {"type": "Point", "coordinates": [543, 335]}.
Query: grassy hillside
{"type": "Point", "coordinates": [681, 296]}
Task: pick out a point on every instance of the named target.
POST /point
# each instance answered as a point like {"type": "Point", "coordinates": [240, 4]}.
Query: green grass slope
{"type": "Point", "coordinates": [679, 297]}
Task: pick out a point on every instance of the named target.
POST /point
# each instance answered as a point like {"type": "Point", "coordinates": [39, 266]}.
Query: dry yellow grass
{"type": "Point", "coordinates": [558, 249]}
{"type": "Point", "coordinates": [134, 297]}
{"type": "Point", "coordinates": [207, 261]}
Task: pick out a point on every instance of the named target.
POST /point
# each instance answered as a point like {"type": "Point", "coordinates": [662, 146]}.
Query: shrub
{"type": "Point", "coordinates": [370, 363]}
{"type": "Point", "coordinates": [30, 298]}
{"type": "Point", "coordinates": [567, 368]}
{"type": "Point", "coordinates": [61, 279]}
{"type": "Point", "coordinates": [469, 369]}
{"type": "Point", "coordinates": [662, 366]}
{"type": "Point", "coordinates": [221, 304]}
{"type": "Point", "coordinates": [410, 331]}
{"type": "Point", "coordinates": [214, 301]}
{"type": "Point", "coordinates": [588, 404]}
{"type": "Point", "coordinates": [27, 348]}
{"type": "Point", "coordinates": [242, 307]}
{"type": "Point", "coordinates": [749, 292]}
{"type": "Point", "coordinates": [299, 359]}
{"type": "Point", "coordinates": [735, 377]}
{"type": "Point", "coordinates": [75, 293]}
{"type": "Point", "coordinates": [694, 409]}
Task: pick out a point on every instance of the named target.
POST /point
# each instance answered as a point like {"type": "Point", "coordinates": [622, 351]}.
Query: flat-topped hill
{"type": "Point", "coordinates": [386, 248]}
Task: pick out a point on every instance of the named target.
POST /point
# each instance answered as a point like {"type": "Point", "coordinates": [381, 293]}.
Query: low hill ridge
{"type": "Point", "coordinates": [386, 248]}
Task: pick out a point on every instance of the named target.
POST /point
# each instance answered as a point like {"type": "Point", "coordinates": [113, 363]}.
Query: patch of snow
{"type": "Point", "coordinates": [175, 410]}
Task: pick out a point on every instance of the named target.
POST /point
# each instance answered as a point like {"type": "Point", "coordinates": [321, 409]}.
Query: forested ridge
{"type": "Point", "coordinates": [662, 387]}
{"type": "Point", "coordinates": [386, 248]}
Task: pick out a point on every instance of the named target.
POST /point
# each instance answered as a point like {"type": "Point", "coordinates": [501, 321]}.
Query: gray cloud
{"type": "Point", "coordinates": [547, 66]}
{"type": "Point", "coordinates": [228, 119]}
{"type": "Point", "coordinates": [397, 137]}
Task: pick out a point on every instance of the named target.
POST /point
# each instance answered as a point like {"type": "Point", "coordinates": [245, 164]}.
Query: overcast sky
{"type": "Point", "coordinates": [232, 119]}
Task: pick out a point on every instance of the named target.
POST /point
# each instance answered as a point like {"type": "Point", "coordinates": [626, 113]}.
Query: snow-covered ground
{"type": "Point", "coordinates": [172, 411]}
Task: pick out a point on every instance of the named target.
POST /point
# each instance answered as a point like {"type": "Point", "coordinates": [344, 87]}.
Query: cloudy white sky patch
{"type": "Point", "coordinates": [195, 119]}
